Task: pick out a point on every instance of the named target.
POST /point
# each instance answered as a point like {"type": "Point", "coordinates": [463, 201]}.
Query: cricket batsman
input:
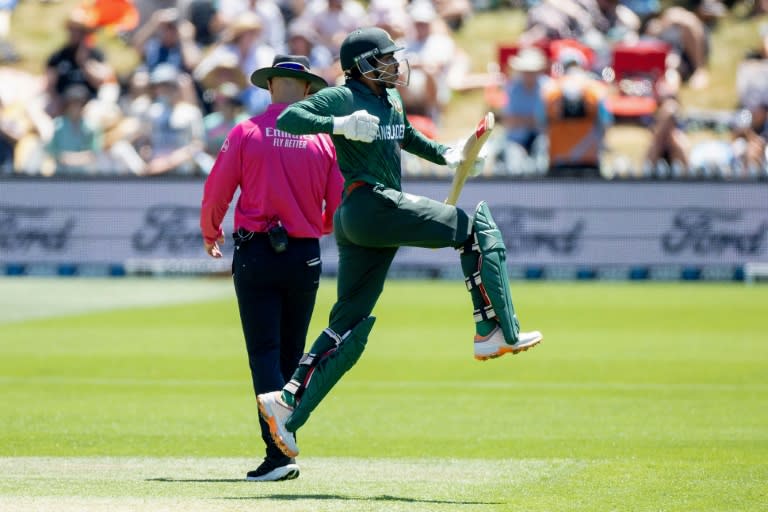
{"type": "Point", "coordinates": [369, 128]}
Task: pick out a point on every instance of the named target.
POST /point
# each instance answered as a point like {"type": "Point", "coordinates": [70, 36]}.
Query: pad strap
{"type": "Point", "coordinates": [470, 245]}
{"type": "Point", "coordinates": [473, 281]}
{"type": "Point", "coordinates": [296, 387]}
{"type": "Point", "coordinates": [485, 313]}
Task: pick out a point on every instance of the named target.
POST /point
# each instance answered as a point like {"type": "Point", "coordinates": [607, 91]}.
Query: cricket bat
{"type": "Point", "coordinates": [471, 149]}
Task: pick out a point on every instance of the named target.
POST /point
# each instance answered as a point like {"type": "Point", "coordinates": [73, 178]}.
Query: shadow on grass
{"type": "Point", "coordinates": [296, 497]}
{"type": "Point", "coordinates": [385, 497]}
{"type": "Point", "coordinates": [197, 480]}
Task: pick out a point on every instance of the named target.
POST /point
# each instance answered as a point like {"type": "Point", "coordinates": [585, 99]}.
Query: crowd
{"type": "Point", "coordinates": [583, 66]}
{"type": "Point", "coordinates": [560, 92]}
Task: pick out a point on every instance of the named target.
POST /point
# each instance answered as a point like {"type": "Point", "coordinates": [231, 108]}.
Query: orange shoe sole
{"type": "Point", "coordinates": [272, 423]}
{"type": "Point", "coordinates": [509, 350]}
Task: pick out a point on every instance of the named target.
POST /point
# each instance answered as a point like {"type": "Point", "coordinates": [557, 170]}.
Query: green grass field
{"type": "Point", "coordinates": [134, 394]}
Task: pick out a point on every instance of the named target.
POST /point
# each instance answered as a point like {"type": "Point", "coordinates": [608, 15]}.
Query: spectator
{"type": "Point", "coordinates": [524, 114]}
{"type": "Point", "coordinates": [598, 23]}
{"type": "Point", "coordinates": [643, 9]}
{"type": "Point", "coordinates": [227, 113]}
{"type": "Point", "coordinates": [147, 8]}
{"type": "Point", "coordinates": [76, 62]}
{"type": "Point", "coordinates": [303, 40]}
{"type": "Point", "coordinates": [577, 118]}
{"type": "Point", "coordinates": [671, 152]}
{"type": "Point", "coordinates": [118, 155]}
{"type": "Point", "coordinates": [9, 136]}
{"type": "Point", "coordinates": [24, 124]}
{"type": "Point", "coordinates": [136, 98]}
{"type": "Point", "coordinates": [670, 144]}
{"type": "Point", "coordinates": [174, 126]}
{"type": "Point", "coordinates": [74, 144]}
{"type": "Point", "coordinates": [225, 70]}
{"type": "Point", "coordinates": [23, 130]}
{"type": "Point", "coordinates": [751, 85]}
{"type": "Point", "coordinates": [752, 151]}
{"type": "Point", "coordinates": [391, 16]}
{"type": "Point", "coordinates": [7, 50]}
{"type": "Point", "coordinates": [431, 53]}
{"type": "Point", "coordinates": [202, 14]}
{"type": "Point", "coordinates": [273, 24]}
{"type": "Point", "coordinates": [688, 34]}
{"type": "Point", "coordinates": [453, 12]}
{"type": "Point", "coordinates": [549, 20]}
{"type": "Point", "coordinates": [169, 39]}
{"type": "Point", "coordinates": [334, 19]}
{"type": "Point", "coordinates": [241, 40]}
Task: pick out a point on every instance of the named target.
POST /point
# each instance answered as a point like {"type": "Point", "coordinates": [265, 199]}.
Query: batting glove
{"type": "Point", "coordinates": [455, 155]}
{"type": "Point", "coordinates": [359, 125]}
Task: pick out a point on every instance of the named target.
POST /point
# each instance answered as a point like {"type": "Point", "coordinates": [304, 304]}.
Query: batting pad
{"type": "Point", "coordinates": [339, 355]}
{"type": "Point", "coordinates": [494, 285]}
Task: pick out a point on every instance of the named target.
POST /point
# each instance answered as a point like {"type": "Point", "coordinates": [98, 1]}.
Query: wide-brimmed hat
{"type": "Point", "coordinates": [248, 21]}
{"type": "Point", "coordinates": [225, 68]}
{"type": "Point", "coordinates": [80, 18]}
{"type": "Point", "coordinates": [288, 66]}
{"type": "Point", "coordinates": [528, 59]}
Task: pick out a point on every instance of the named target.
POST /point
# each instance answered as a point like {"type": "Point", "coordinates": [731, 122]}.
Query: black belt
{"type": "Point", "coordinates": [243, 235]}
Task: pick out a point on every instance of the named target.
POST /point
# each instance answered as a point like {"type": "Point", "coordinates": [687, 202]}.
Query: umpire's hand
{"type": "Point", "coordinates": [212, 248]}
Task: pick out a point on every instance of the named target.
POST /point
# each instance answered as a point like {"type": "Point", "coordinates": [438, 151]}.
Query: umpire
{"type": "Point", "coordinates": [290, 186]}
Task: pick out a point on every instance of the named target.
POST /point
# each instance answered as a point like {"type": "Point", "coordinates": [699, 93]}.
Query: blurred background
{"type": "Point", "coordinates": [630, 138]}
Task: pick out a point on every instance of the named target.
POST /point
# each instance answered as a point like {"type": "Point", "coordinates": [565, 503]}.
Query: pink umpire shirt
{"type": "Point", "coordinates": [294, 178]}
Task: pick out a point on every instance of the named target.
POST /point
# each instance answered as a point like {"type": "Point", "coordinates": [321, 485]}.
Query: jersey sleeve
{"type": "Point", "coordinates": [418, 144]}
{"type": "Point", "coordinates": [314, 114]}
{"type": "Point", "coordinates": [220, 186]}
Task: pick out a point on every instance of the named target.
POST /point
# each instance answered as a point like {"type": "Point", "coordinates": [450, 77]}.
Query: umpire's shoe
{"type": "Point", "coordinates": [494, 345]}
{"type": "Point", "coordinates": [276, 412]}
{"type": "Point", "coordinates": [274, 471]}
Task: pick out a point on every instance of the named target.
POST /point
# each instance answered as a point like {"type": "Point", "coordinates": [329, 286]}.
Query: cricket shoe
{"type": "Point", "coordinates": [276, 412]}
{"type": "Point", "coordinates": [274, 471]}
{"type": "Point", "coordinates": [494, 344]}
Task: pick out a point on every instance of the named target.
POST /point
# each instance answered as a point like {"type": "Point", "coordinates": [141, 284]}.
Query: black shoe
{"type": "Point", "coordinates": [272, 471]}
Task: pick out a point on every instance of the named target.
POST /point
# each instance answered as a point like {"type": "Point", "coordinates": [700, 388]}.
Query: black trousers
{"type": "Point", "coordinates": [276, 296]}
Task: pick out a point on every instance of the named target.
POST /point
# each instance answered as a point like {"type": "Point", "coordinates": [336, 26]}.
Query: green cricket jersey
{"type": "Point", "coordinates": [377, 162]}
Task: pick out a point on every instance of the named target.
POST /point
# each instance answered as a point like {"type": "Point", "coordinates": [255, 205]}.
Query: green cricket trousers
{"type": "Point", "coordinates": [371, 223]}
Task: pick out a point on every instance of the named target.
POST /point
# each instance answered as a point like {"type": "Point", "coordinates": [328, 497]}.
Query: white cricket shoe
{"type": "Point", "coordinates": [276, 412]}
{"type": "Point", "coordinates": [494, 344]}
{"type": "Point", "coordinates": [272, 471]}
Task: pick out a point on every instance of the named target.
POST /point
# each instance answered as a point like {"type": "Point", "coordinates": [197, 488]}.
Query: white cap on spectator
{"type": "Point", "coordinates": [422, 12]}
{"type": "Point", "coordinates": [528, 59]}
{"type": "Point", "coordinates": [164, 74]}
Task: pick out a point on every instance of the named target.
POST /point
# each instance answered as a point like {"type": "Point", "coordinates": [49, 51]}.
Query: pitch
{"type": "Point", "coordinates": [134, 395]}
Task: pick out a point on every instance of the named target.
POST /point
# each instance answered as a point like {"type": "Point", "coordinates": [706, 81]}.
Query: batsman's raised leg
{"type": "Point", "coordinates": [484, 263]}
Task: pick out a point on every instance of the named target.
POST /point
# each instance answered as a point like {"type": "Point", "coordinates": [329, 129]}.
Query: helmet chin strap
{"type": "Point", "coordinates": [377, 73]}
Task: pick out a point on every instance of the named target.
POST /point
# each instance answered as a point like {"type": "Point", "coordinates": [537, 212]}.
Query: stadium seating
{"type": "Point", "coordinates": [637, 70]}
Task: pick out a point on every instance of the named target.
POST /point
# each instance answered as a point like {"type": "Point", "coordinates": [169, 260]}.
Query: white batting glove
{"type": "Point", "coordinates": [455, 155]}
{"type": "Point", "coordinates": [359, 125]}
